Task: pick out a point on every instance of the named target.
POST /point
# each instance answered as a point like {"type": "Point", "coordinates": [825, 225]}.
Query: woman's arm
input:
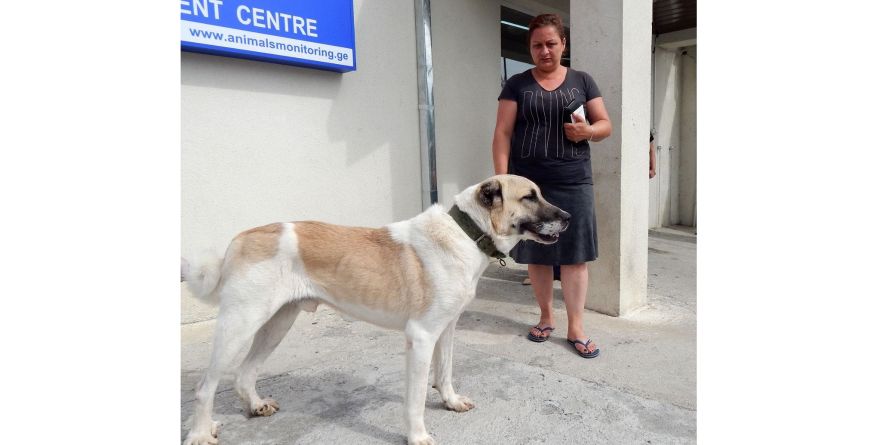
{"type": "Point", "coordinates": [501, 138]}
{"type": "Point", "coordinates": [599, 127]}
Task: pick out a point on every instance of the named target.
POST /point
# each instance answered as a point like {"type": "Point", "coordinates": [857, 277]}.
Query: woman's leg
{"type": "Point", "coordinates": [542, 278]}
{"type": "Point", "coordinates": [575, 287]}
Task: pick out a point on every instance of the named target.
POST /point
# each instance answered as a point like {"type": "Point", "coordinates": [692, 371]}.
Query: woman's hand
{"type": "Point", "coordinates": [578, 131]}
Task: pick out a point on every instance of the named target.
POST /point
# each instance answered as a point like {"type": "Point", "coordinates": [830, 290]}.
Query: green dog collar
{"type": "Point", "coordinates": [481, 239]}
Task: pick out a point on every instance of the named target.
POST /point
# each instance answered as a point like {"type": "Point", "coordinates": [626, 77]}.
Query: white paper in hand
{"type": "Point", "coordinates": [581, 112]}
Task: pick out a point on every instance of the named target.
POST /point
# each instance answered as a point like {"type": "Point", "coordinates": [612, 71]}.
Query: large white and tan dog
{"type": "Point", "coordinates": [416, 275]}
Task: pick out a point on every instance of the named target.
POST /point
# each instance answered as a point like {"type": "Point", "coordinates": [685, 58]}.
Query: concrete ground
{"type": "Point", "coordinates": [340, 381]}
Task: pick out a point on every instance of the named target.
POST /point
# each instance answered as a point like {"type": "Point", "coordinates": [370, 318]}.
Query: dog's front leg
{"type": "Point", "coordinates": [443, 372]}
{"type": "Point", "coordinates": [419, 350]}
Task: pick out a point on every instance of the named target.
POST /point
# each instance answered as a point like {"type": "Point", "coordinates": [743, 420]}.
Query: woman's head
{"type": "Point", "coordinates": [547, 41]}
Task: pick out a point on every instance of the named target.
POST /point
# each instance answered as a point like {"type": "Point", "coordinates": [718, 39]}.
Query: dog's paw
{"type": "Point", "coordinates": [422, 440]}
{"type": "Point", "coordinates": [459, 404]}
{"type": "Point", "coordinates": [265, 408]}
{"type": "Point", "coordinates": [203, 439]}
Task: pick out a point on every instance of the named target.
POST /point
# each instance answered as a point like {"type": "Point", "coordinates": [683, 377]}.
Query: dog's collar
{"type": "Point", "coordinates": [481, 239]}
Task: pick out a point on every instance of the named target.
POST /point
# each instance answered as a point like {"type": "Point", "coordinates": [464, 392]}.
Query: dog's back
{"type": "Point", "coordinates": [364, 272]}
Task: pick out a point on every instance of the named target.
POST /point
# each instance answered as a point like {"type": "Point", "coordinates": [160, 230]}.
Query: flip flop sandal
{"type": "Point", "coordinates": [590, 354]}
{"type": "Point", "coordinates": [538, 338]}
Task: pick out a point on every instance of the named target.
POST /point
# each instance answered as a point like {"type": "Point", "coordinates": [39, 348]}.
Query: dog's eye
{"type": "Point", "coordinates": [531, 196]}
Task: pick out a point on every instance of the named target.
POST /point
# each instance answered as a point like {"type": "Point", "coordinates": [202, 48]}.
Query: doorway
{"type": "Point", "coordinates": [672, 192]}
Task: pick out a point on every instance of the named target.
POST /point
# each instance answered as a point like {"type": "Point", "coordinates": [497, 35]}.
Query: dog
{"type": "Point", "coordinates": [416, 275]}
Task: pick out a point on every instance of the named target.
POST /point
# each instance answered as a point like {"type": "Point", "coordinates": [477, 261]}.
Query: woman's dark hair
{"type": "Point", "coordinates": [546, 20]}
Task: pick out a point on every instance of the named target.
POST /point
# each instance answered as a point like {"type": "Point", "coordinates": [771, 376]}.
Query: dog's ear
{"type": "Point", "coordinates": [488, 192]}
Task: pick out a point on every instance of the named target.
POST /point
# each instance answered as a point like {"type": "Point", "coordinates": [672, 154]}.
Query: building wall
{"type": "Point", "coordinates": [263, 142]}
{"type": "Point", "coordinates": [466, 45]}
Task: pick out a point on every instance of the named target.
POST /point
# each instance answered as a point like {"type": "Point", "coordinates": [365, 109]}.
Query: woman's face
{"type": "Point", "coordinates": [546, 47]}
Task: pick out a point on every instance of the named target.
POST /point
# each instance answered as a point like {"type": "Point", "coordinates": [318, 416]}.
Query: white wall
{"type": "Point", "coordinates": [466, 46]}
{"type": "Point", "coordinates": [263, 142]}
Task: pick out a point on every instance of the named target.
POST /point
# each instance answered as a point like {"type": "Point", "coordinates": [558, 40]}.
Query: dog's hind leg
{"type": "Point", "coordinates": [443, 372]}
{"type": "Point", "coordinates": [266, 340]}
{"type": "Point", "coordinates": [235, 326]}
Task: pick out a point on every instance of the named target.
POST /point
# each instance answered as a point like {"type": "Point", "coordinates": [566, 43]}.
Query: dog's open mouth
{"type": "Point", "coordinates": [552, 238]}
{"type": "Point", "coordinates": [545, 232]}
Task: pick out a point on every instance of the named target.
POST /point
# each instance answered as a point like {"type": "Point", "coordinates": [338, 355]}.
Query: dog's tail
{"type": "Point", "coordinates": [203, 276]}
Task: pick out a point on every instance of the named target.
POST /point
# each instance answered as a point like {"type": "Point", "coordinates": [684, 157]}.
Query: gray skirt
{"type": "Point", "coordinates": [578, 244]}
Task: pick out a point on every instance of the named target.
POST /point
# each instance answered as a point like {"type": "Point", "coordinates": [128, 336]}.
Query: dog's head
{"type": "Point", "coordinates": [515, 210]}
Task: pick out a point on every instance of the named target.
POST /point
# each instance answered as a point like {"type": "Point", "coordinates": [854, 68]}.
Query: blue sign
{"type": "Point", "coordinates": [309, 33]}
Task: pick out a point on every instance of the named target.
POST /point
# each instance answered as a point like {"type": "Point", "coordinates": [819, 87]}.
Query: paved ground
{"type": "Point", "coordinates": [339, 381]}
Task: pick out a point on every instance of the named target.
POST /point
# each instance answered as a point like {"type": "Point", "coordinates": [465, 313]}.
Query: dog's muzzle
{"type": "Point", "coordinates": [547, 231]}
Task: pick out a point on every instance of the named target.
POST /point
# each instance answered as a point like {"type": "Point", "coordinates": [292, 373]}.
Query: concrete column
{"type": "Point", "coordinates": [688, 141]}
{"type": "Point", "coordinates": [611, 40]}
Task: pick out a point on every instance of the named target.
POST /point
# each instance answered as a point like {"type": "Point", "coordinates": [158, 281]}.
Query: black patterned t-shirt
{"type": "Point", "coordinates": [540, 150]}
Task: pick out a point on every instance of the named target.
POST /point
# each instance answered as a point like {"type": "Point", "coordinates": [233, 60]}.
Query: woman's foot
{"type": "Point", "coordinates": [585, 348]}
{"type": "Point", "coordinates": [540, 332]}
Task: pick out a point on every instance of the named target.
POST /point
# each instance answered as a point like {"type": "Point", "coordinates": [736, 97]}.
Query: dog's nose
{"type": "Point", "coordinates": [564, 216]}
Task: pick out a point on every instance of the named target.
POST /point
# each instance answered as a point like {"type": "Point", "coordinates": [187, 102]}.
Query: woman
{"type": "Point", "coordinates": [532, 140]}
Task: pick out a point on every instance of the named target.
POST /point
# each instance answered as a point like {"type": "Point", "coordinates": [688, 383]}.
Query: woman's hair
{"type": "Point", "coordinates": [546, 20]}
